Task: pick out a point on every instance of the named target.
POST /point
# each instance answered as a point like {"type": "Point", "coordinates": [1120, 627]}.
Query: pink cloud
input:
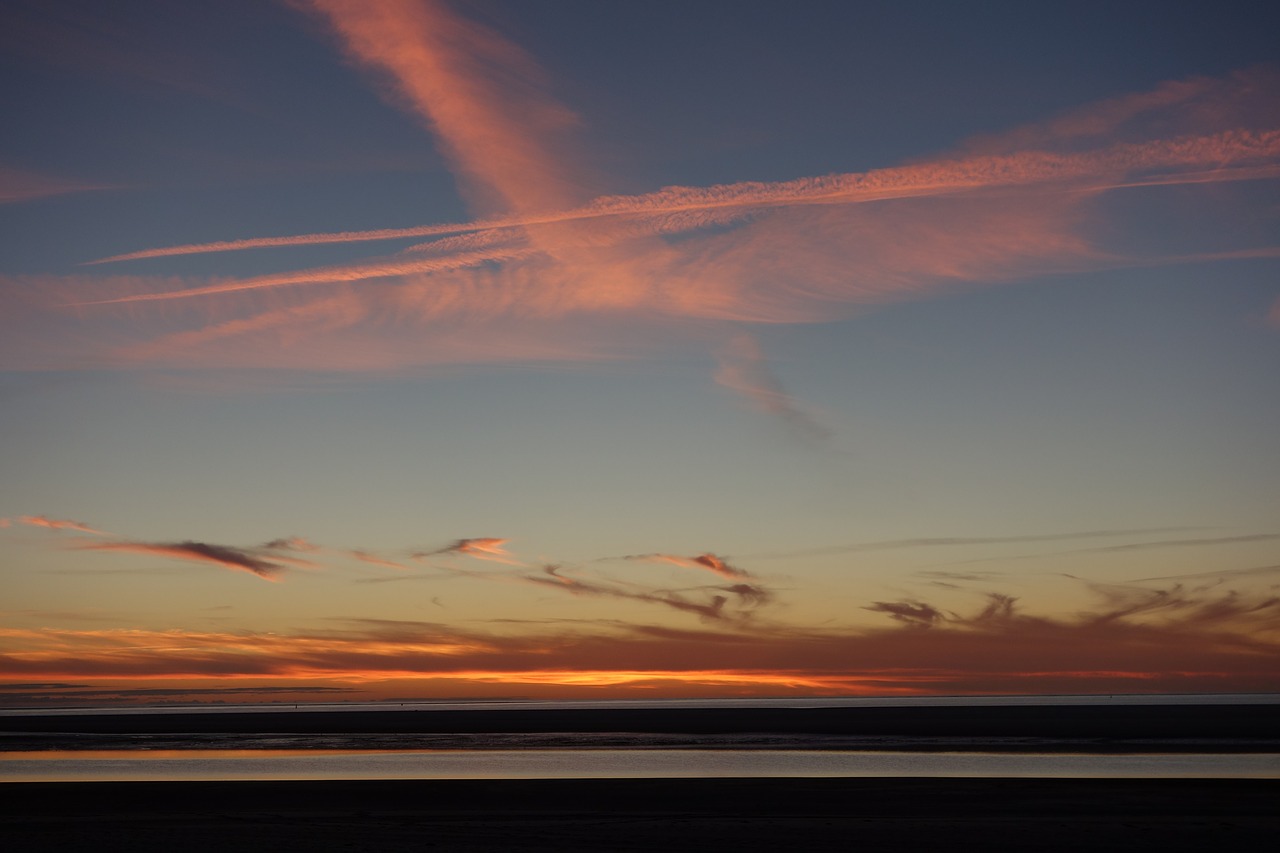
{"type": "Point", "coordinates": [551, 275]}
{"type": "Point", "coordinates": [481, 548]}
{"type": "Point", "coordinates": [374, 559]}
{"type": "Point", "coordinates": [482, 96]}
{"type": "Point", "coordinates": [59, 524]}
{"type": "Point", "coordinates": [708, 562]}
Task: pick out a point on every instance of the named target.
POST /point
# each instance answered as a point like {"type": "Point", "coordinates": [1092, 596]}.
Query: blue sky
{"type": "Point", "coordinates": [812, 329]}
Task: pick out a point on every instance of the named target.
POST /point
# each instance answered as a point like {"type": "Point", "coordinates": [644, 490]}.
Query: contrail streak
{"type": "Point", "coordinates": [940, 178]}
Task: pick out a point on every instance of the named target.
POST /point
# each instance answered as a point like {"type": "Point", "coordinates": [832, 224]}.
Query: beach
{"type": "Point", "coordinates": [646, 814]}
{"type": "Point", "coordinates": [672, 814]}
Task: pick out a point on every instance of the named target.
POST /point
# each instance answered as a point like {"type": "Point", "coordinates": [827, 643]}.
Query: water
{"type": "Point", "coordinates": [259, 764]}
{"type": "Point", "coordinates": [212, 755]}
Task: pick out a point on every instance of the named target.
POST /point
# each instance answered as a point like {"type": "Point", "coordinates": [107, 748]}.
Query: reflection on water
{"type": "Point", "coordinates": [197, 765]}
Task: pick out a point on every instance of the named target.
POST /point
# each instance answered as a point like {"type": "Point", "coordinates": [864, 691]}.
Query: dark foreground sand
{"type": "Point", "coordinates": [787, 815]}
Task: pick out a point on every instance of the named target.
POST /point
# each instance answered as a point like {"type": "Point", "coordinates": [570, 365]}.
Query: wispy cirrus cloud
{"type": "Point", "coordinates": [709, 562]}
{"type": "Point", "coordinates": [550, 274]}
{"type": "Point", "coordinates": [742, 369]}
{"type": "Point", "coordinates": [737, 602]}
{"type": "Point", "coordinates": [19, 185]}
{"type": "Point", "coordinates": [1037, 245]}
{"type": "Point", "coordinates": [966, 541]}
{"type": "Point", "coordinates": [1221, 574]}
{"type": "Point", "coordinates": [1150, 545]}
{"type": "Point", "coordinates": [482, 96]}
{"type": "Point", "coordinates": [291, 543]}
{"type": "Point", "coordinates": [56, 524]}
{"type": "Point", "coordinates": [375, 560]}
{"type": "Point", "coordinates": [1184, 543]}
{"type": "Point", "coordinates": [914, 613]}
{"type": "Point", "coordinates": [271, 559]}
{"type": "Point", "coordinates": [732, 602]}
{"type": "Point", "coordinates": [711, 608]}
{"type": "Point", "coordinates": [1025, 158]}
{"type": "Point", "coordinates": [1220, 633]}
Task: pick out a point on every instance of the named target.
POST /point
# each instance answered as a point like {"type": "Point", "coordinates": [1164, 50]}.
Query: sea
{"type": "Point", "coordinates": [176, 755]}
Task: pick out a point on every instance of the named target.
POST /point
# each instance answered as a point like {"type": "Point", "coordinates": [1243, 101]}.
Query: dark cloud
{"type": "Point", "coordinates": [292, 543]}
{"type": "Point", "coordinates": [914, 613]}
{"type": "Point", "coordinates": [749, 594]}
{"type": "Point", "coordinates": [71, 695]}
{"type": "Point", "coordinates": [228, 556]}
{"type": "Point", "coordinates": [1172, 640]}
{"type": "Point", "coordinates": [711, 608]}
{"type": "Point", "coordinates": [222, 555]}
{"type": "Point", "coordinates": [708, 561]}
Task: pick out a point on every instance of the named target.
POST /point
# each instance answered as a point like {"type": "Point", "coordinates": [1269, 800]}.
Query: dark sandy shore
{"type": "Point", "coordinates": [645, 814]}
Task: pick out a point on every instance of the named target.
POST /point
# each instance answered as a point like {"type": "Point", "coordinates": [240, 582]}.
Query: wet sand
{"type": "Point", "coordinates": [644, 814]}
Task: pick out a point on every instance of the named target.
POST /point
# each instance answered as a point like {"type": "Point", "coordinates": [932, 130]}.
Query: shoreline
{"type": "Point", "coordinates": [1169, 722]}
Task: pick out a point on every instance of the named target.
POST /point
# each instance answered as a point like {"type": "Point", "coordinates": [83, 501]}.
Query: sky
{"type": "Point", "coordinates": [413, 350]}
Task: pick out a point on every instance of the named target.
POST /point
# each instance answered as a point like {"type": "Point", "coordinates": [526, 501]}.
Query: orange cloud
{"type": "Point", "coordinates": [482, 96]}
{"type": "Point", "coordinates": [374, 559]}
{"type": "Point", "coordinates": [708, 562]}
{"type": "Point", "coordinates": [686, 209]}
{"type": "Point", "coordinates": [486, 548]}
{"type": "Point", "coordinates": [1236, 154]}
{"type": "Point", "coordinates": [1157, 640]}
{"type": "Point", "coordinates": [548, 277]}
{"type": "Point", "coordinates": [58, 524]}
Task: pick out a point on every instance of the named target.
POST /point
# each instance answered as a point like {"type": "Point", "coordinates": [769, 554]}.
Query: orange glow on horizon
{"type": "Point", "coordinates": [568, 685]}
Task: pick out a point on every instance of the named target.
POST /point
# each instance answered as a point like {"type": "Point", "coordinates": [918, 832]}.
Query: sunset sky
{"type": "Point", "coordinates": [401, 349]}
